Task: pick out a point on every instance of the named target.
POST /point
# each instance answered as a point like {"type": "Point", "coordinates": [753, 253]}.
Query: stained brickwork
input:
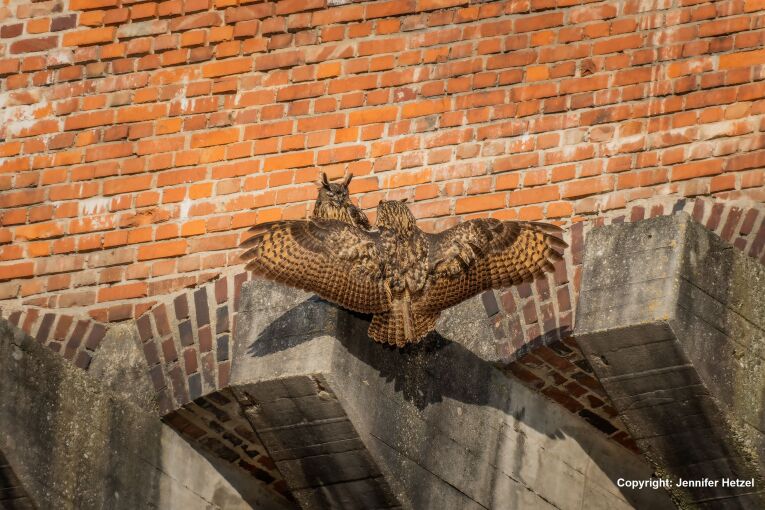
{"type": "Point", "coordinates": [74, 337]}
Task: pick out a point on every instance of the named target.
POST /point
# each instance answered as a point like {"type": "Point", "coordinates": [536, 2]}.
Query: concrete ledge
{"type": "Point", "coordinates": [430, 426]}
{"type": "Point", "coordinates": [672, 320]}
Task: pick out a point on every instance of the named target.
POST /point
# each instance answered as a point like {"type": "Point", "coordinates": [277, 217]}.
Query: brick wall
{"type": "Point", "coordinates": [139, 139]}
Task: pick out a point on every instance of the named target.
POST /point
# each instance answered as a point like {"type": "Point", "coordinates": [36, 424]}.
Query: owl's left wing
{"type": "Point", "coordinates": [337, 261]}
{"type": "Point", "coordinates": [482, 254]}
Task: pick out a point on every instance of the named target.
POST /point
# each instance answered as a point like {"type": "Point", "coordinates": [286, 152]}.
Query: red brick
{"type": "Point", "coordinates": [222, 137]}
{"type": "Point", "coordinates": [198, 20]}
{"type": "Point", "coordinates": [87, 37]}
{"type": "Point", "coordinates": [38, 25]}
{"type": "Point", "coordinates": [33, 45]}
{"type": "Point", "coordinates": [480, 203]}
{"type": "Point", "coordinates": [539, 22]}
{"type": "Point", "coordinates": [142, 11]}
{"type": "Point", "coordinates": [81, 5]}
{"type": "Point", "coordinates": [38, 231]}
{"type": "Point", "coordinates": [141, 113]}
{"type": "Point", "coordinates": [372, 115]}
{"type": "Point", "coordinates": [88, 120]}
{"type": "Point", "coordinates": [119, 292]}
{"type": "Point", "coordinates": [162, 250]}
{"type": "Point", "coordinates": [278, 60]}
{"type": "Point", "coordinates": [390, 8]}
{"type": "Point", "coordinates": [292, 160]}
{"type": "Point", "coordinates": [226, 67]}
{"type": "Point", "coordinates": [696, 169]}
{"type": "Point", "coordinates": [127, 184]}
{"type": "Point", "coordinates": [9, 66]}
{"type": "Point", "coordinates": [19, 270]}
{"type": "Point", "coordinates": [410, 110]}
{"type": "Point", "coordinates": [744, 59]}
{"type": "Point", "coordinates": [724, 26]}
{"type": "Point", "coordinates": [618, 44]}
{"type": "Point", "coordinates": [585, 187]}
{"type": "Point", "coordinates": [534, 195]}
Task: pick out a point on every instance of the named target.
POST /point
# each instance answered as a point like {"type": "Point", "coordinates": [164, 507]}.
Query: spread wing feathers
{"type": "Point", "coordinates": [488, 254]}
{"type": "Point", "coordinates": [454, 250]}
{"type": "Point", "coordinates": [333, 259]}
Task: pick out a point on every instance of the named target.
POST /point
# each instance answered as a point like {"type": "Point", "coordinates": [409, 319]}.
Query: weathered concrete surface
{"type": "Point", "coordinates": [73, 444]}
{"type": "Point", "coordinates": [672, 319]}
{"type": "Point", "coordinates": [120, 365]}
{"type": "Point", "coordinates": [348, 420]}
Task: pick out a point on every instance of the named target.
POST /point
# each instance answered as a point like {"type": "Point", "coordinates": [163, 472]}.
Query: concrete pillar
{"type": "Point", "coordinates": [71, 443]}
{"type": "Point", "coordinates": [672, 320]}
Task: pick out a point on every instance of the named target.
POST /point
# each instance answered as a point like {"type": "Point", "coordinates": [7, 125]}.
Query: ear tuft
{"type": "Point", "coordinates": [324, 180]}
{"type": "Point", "coordinates": [347, 179]}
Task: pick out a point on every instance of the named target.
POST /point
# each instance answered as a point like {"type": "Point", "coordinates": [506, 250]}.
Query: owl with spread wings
{"type": "Point", "coordinates": [402, 275]}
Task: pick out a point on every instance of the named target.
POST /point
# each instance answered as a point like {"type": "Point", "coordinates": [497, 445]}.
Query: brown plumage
{"type": "Point", "coordinates": [333, 203]}
{"type": "Point", "coordinates": [399, 273]}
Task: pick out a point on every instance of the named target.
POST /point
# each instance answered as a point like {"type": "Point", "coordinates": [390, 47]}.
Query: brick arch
{"type": "Point", "coordinates": [533, 322]}
{"type": "Point", "coordinates": [186, 340]}
{"type": "Point", "coordinates": [186, 336]}
{"type": "Point", "coordinates": [75, 337]}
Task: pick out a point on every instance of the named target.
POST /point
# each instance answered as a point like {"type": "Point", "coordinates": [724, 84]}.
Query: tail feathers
{"type": "Point", "coordinates": [399, 328]}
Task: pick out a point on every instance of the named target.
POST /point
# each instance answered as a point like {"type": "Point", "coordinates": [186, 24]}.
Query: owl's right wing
{"type": "Point", "coordinates": [482, 254]}
{"type": "Point", "coordinates": [337, 261]}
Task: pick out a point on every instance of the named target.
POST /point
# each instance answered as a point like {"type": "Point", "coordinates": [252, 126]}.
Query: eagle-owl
{"type": "Point", "coordinates": [399, 273]}
{"type": "Point", "coordinates": [333, 203]}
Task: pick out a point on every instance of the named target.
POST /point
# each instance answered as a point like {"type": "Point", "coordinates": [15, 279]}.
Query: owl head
{"type": "Point", "coordinates": [334, 192]}
{"type": "Point", "coordinates": [395, 215]}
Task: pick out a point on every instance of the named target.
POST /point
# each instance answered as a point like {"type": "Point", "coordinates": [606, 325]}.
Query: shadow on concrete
{"type": "Point", "coordinates": [427, 373]}
{"type": "Point", "coordinates": [424, 373]}
{"type": "Point", "coordinates": [436, 369]}
{"type": "Point", "coordinates": [552, 339]}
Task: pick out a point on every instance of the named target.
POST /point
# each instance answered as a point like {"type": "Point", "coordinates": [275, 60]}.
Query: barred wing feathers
{"type": "Point", "coordinates": [335, 260]}
{"type": "Point", "coordinates": [482, 254]}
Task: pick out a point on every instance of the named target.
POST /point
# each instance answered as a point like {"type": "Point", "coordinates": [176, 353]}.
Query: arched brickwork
{"type": "Point", "coordinates": [76, 338]}
{"type": "Point", "coordinates": [187, 341]}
